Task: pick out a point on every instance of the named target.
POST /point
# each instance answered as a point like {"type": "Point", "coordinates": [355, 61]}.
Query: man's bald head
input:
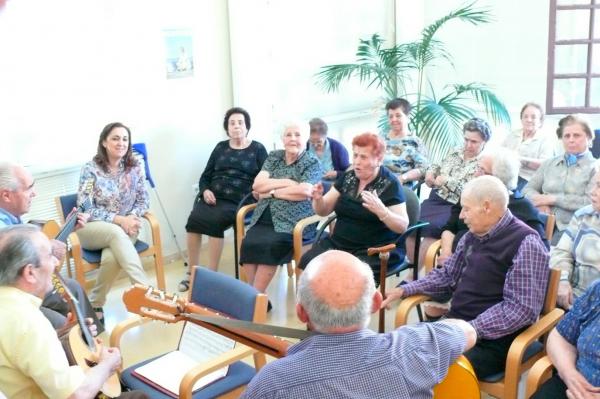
{"type": "Point", "coordinates": [336, 291]}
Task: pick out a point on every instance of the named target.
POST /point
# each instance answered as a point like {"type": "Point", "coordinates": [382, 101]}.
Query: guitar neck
{"type": "Point", "coordinates": [75, 308]}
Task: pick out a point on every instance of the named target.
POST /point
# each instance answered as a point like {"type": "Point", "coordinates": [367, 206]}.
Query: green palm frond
{"type": "Point", "coordinates": [484, 96]}
{"type": "Point", "coordinates": [440, 122]}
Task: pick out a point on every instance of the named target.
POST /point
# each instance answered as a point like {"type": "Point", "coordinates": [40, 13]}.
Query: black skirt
{"type": "Point", "coordinates": [211, 220]}
{"type": "Point", "coordinates": [262, 245]}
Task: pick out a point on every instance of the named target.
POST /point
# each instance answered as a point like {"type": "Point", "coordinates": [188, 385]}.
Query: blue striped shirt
{"type": "Point", "coordinates": [405, 363]}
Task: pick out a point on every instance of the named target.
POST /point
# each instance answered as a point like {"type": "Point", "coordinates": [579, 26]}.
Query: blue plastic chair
{"type": "Point", "coordinates": [226, 295]}
{"type": "Point", "coordinates": [86, 260]}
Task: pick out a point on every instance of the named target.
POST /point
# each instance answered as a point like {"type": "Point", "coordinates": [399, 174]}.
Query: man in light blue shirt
{"type": "Point", "coordinates": [16, 194]}
{"type": "Point", "coordinates": [336, 296]}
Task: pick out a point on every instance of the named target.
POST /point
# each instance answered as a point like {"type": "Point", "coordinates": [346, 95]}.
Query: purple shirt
{"type": "Point", "coordinates": [524, 287]}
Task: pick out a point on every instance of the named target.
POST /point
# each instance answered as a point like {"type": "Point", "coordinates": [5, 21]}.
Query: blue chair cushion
{"type": "Point", "coordinates": [533, 349]}
{"type": "Point", "coordinates": [239, 374]}
{"type": "Point", "coordinates": [95, 256]}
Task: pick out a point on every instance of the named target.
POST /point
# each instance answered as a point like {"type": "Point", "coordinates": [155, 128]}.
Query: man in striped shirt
{"type": "Point", "coordinates": [496, 278]}
{"type": "Point", "coordinates": [336, 296]}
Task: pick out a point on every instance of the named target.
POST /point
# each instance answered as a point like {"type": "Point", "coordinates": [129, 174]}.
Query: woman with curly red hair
{"type": "Point", "coordinates": [369, 204]}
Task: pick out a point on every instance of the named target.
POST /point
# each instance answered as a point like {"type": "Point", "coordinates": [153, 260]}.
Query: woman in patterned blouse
{"type": "Point", "coordinates": [405, 153]}
{"type": "Point", "coordinates": [573, 346]}
{"type": "Point", "coordinates": [119, 200]}
{"type": "Point", "coordinates": [577, 253]}
{"type": "Point", "coordinates": [563, 184]}
{"type": "Point", "coordinates": [447, 180]}
{"type": "Point", "coordinates": [284, 186]}
{"type": "Point", "coordinates": [369, 203]}
{"type": "Point", "coordinates": [227, 178]}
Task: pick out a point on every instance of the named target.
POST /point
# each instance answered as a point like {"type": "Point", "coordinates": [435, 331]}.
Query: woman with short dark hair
{"type": "Point", "coordinates": [227, 178]}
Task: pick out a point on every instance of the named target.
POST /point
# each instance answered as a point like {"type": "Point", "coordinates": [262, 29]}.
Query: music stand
{"type": "Point", "coordinates": [140, 149]}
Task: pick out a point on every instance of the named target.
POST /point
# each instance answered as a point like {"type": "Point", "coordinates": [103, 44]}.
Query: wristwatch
{"type": "Point", "coordinates": [272, 193]}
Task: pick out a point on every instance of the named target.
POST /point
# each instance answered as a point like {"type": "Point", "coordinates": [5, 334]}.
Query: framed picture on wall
{"type": "Point", "coordinates": [179, 60]}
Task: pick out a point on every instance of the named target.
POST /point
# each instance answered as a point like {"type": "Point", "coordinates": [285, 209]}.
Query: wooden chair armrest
{"type": "Point", "coordinates": [299, 231]}
{"type": "Point", "coordinates": [378, 250]}
{"type": "Point", "coordinates": [431, 255]}
{"type": "Point", "coordinates": [154, 227]}
{"type": "Point", "coordinates": [406, 306]}
{"type": "Point", "coordinates": [194, 374]}
{"type": "Point", "coordinates": [523, 340]}
{"type": "Point", "coordinates": [538, 374]}
{"type": "Point", "coordinates": [123, 327]}
{"type": "Point", "coordinates": [75, 253]}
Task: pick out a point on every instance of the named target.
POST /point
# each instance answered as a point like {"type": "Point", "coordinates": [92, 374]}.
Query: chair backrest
{"type": "Point", "coordinates": [223, 293]}
{"type": "Point", "coordinates": [66, 203]}
{"type": "Point", "coordinates": [140, 148]}
{"type": "Point", "coordinates": [413, 206]}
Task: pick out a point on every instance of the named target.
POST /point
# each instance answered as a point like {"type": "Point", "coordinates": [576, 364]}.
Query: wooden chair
{"type": "Point", "coordinates": [525, 350]}
{"type": "Point", "coordinates": [86, 260]}
{"type": "Point", "coordinates": [223, 294]}
{"type": "Point", "coordinates": [550, 223]}
{"type": "Point", "coordinates": [300, 241]}
{"type": "Point", "coordinates": [539, 373]}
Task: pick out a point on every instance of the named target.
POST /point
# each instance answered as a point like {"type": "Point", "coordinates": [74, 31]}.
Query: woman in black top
{"type": "Point", "coordinates": [369, 204]}
{"type": "Point", "coordinates": [227, 178]}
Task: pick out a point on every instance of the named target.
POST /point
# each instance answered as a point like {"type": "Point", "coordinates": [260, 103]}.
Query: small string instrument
{"type": "Point", "coordinates": [155, 304]}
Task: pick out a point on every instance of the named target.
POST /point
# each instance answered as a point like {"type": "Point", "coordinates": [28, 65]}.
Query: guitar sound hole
{"type": "Point", "coordinates": [90, 363]}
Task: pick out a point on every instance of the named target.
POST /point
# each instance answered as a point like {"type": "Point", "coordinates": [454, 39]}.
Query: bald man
{"type": "Point", "coordinates": [336, 296]}
{"type": "Point", "coordinates": [16, 193]}
{"type": "Point", "coordinates": [496, 278]}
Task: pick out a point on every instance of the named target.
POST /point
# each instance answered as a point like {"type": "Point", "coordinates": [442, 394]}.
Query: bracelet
{"type": "Point", "coordinates": [387, 213]}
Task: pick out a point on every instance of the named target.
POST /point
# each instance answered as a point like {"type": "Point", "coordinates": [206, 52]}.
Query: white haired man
{"type": "Point", "coordinates": [496, 278]}
{"type": "Point", "coordinates": [336, 296]}
{"type": "Point", "coordinates": [16, 193]}
{"type": "Point", "coordinates": [32, 361]}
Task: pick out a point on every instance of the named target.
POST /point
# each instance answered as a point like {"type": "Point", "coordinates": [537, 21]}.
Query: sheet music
{"type": "Point", "coordinates": [202, 344]}
{"type": "Point", "coordinates": [197, 345]}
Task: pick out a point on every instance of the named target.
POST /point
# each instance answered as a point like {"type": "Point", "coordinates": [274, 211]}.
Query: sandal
{"type": "Point", "coordinates": [184, 284]}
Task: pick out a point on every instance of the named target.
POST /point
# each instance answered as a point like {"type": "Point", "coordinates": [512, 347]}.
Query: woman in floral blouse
{"type": "Point", "coordinates": [405, 153]}
{"type": "Point", "coordinates": [447, 180]}
{"type": "Point", "coordinates": [119, 200]}
{"type": "Point", "coordinates": [284, 186]}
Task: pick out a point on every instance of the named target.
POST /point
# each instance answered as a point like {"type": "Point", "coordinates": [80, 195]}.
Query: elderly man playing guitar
{"type": "Point", "coordinates": [32, 361]}
{"type": "Point", "coordinates": [16, 194]}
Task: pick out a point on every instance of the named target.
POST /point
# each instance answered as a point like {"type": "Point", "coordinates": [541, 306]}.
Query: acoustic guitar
{"type": "Point", "coordinates": [155, 304]}
{"type": "Point", "coordinates": [460, 382]}
{"type": "Point", "coordinates": [85, 348]}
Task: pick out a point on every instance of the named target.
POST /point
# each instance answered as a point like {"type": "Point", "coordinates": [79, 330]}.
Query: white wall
{"type": "Point", "coordinates": [68, 67]}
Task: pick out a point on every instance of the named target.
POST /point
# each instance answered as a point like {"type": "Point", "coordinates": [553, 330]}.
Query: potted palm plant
{"type": "Point", "coordinates": [401, 71]}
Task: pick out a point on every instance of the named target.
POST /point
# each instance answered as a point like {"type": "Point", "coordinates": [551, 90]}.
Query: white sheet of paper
{"type": "Point", "coordinates": [197, 345]}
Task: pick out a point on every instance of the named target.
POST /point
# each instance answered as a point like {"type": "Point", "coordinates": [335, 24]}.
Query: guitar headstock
{"type": "Point", "coordinates": [153, 303]}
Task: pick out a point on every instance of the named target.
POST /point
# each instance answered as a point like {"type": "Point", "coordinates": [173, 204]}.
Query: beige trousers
{"type": "Point", "coordinates": [118, 253]}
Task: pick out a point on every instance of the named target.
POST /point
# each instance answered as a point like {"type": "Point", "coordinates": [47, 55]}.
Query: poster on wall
{"type": "Point", "coordinates": [179, 53]}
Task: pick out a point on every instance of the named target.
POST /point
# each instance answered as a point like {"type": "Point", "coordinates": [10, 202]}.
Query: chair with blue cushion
{"type": "Point", "coordinates": [86, 260]}
{"type": "Point", "coordinates": [413, 209]}
{"type": "Point", "coordinates": [526, 349]}
{"type": "Point", "coordinates": [225, 295]}
{"type": "Point", "coordinates": [300, 238]}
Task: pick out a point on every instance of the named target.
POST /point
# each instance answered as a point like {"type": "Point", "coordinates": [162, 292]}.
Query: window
{"type": "Point", "coordinates": [573, 57]}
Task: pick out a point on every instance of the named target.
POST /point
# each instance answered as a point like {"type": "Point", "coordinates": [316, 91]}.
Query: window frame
{"type": "Point", "coordinates": [587, 108]}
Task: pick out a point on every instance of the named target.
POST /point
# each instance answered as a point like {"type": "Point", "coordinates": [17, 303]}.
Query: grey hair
{"type": "Point", "coordinates": [505, 166]}
{"type": "Point", "coordinates": [8, 180]}
{"type": "Point", "coordinates": [302, 126]}
{"type": "Point", "coordinates": [488, 188]}
{"type": "Point", "coordinates": [323, 316]}
{"type": "Point", "coordinates": [17, 250]}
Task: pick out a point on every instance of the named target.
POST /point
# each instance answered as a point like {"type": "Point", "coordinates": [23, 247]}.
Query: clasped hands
{"type": "Point", "coordinates": [131, 224]}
